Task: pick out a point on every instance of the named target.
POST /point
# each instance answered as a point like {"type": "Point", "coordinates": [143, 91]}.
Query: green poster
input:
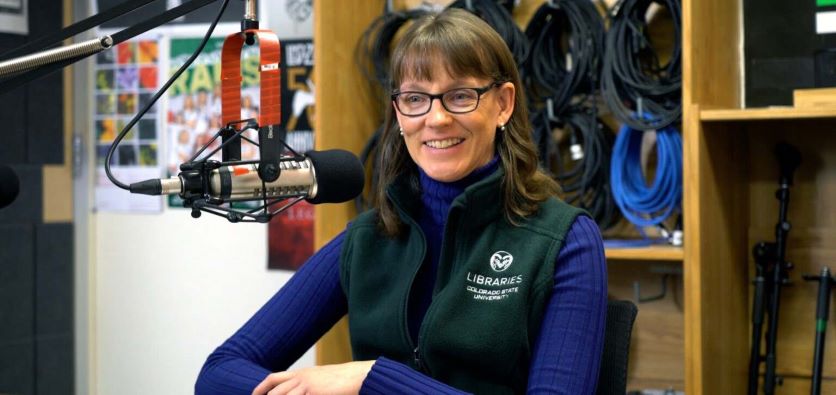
{"type": "Point", "coordinates": [193, 115]}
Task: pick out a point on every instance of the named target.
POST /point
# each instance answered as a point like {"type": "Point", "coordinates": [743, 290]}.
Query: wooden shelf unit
{"type": "Point", "coordinates": [771, 113]}
{"type": "Point", "coordinates": [654, 253]}
{"type": "Point", "coordinates": [730, 177]}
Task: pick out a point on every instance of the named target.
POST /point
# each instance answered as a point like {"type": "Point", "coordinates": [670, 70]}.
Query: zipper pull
{"type": "Point", "coordinates": [416, 355]}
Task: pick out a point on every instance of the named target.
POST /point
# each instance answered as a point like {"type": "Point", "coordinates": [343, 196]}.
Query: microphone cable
{"type": "Point", "coordinates": [156, 97]}
{"type": "Point", "coordinates": [567, 40]}
{"type": "Point", "coordinates": [499, 17]}
{"type": "Point", "coordinates": [641, 204]}
{"type": "Point", "coordinates": [632, 80]}
{"type": "Point", "coordinates": [584, 174]}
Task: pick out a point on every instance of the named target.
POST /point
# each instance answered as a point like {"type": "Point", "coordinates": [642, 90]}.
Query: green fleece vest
{"type": "Point", "coordinates": [493, 281]}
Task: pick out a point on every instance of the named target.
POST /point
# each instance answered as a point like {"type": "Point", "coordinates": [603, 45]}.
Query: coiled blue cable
{"type": "Point", "coordinates": [641, 204]}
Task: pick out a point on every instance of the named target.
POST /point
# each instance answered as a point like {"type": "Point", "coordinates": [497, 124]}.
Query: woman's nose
{"type": "Point", "coordinates": [438, 115]}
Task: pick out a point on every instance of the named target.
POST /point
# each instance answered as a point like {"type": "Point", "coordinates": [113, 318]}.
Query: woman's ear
{"type": "Point", "coordinates": [506, 93]}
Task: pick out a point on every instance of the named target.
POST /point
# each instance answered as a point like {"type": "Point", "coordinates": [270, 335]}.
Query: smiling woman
{"type": "Point", "coordinates": [468, 274]}
{"type": "Point", "coordinates": [450, 140]}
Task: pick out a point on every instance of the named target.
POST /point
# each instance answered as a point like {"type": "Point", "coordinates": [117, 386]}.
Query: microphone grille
{"type": "Point", "coordinates": [340, 176]}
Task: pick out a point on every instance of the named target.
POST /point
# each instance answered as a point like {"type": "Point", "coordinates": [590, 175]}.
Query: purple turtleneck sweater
{"type": "Point", "coordinates": [565, 358]}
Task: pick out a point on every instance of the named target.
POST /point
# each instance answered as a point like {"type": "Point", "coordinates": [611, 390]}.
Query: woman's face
{"type": "Point", "coordinates": [450, 146]}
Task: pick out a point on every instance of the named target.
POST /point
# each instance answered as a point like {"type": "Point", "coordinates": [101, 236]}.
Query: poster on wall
{"type": "Point", "coordinates": [126, 78]}
{"type": "Point", "coordinates": [290, 19]}
{"type": "Point", "coordinates": [290, 234]}
{"type": "Point", "coordinates": [194, 103]}
{"type": "Point", "coordinates": [14, 16]}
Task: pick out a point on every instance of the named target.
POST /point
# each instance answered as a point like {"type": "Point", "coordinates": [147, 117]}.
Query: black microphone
{"type": "Point", "coordinates": [9, 186]}
{"type": "Point", "coordinates": [332, 176]}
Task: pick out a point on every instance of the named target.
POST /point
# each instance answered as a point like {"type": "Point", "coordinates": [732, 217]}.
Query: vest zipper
{"type": "Point", "coordinates": [416, 352]}
{"type": "Point", "coordinates": [416, 355]}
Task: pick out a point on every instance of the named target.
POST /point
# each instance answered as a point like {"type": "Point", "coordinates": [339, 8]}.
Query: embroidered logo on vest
{"type": "Point", "coordinates": [501, 260]}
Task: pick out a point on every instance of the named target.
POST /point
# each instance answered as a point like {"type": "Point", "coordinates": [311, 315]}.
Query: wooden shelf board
{"type": "Point", "coordinates": [654, 253]}
{"type": "Point", "coordinates": [746, 114]}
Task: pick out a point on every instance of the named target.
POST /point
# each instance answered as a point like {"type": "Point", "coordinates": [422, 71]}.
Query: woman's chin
{"type": "Point", "coordinates": [445, 174]}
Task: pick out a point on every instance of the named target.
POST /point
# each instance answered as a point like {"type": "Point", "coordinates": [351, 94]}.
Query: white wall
{"type": "Point", "coordinates": [168, 290]}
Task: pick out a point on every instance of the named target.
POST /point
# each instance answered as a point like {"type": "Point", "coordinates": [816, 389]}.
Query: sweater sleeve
{"type": "Point", "coordinates": [281, 331]}
{"type": "Point", "coordinates": [567, 353]}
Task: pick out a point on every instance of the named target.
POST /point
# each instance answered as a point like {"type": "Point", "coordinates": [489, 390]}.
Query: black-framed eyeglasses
{"type": "Point", "coordinates": [455, 101]}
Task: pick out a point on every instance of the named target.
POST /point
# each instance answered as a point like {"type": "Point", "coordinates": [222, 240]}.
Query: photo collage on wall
{"type": "Point", "coordinates": [125, 79]}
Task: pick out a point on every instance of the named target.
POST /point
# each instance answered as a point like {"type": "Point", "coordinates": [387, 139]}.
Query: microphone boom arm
{"type": "Point", "coordinates": [17, 69]}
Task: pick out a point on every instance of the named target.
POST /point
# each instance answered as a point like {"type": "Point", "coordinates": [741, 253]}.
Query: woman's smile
{"type": "Point", "coordinates": [443, 144]}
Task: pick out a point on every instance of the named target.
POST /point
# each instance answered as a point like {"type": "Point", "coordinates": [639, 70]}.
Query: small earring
{"type": "Point", "coordinates": [401, 131]}
{"type": "Point", "coordinates": [502, 127]}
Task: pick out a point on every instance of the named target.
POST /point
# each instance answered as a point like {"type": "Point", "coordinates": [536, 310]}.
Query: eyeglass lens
{"type": "Point", "coordinates": [455, 101]}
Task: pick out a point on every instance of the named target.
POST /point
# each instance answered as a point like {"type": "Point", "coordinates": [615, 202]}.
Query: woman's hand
{"type": "Point", "coordinates": [344, 378]}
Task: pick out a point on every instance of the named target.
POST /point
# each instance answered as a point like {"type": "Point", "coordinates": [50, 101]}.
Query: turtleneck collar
{"type": "Point", "coordinates": [437, 196]}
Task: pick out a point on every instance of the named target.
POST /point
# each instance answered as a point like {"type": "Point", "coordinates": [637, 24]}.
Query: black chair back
{"type": "Point", "coordinates": [612, 377]}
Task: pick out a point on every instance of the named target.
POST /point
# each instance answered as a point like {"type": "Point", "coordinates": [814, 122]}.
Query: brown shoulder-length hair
{"type": "Point", "coordinates": [468, 47]}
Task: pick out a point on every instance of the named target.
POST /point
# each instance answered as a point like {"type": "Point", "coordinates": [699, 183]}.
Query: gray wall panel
{"type": "Point", "coordinates": [17, 377]}
{"type": "Point", "coordinates": [54, 360]}
{"type": "Point", "coordinates": [45, 126]}
{"type": "Point", "coordinates": [17, 283]}
{"type": "Point", "coordinates": [54, 279]}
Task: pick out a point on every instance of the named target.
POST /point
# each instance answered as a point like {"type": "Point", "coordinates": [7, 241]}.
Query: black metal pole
{"type": "Point", "coordinates": [788, 159]}
{"type": "Point", "coordinates": [763, 254]}
{"type": "Point", "coordinates": [822, 311]}
{"type": "Point", "coordinates": [43, 63]}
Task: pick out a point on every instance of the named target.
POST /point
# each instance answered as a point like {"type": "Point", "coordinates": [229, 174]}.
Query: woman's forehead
{"type": "Point", "coordinates": [428, 66]}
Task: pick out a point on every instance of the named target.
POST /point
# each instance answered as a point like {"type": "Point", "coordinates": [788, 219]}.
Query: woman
{"type": "Point", "coordinates": [468, 275]}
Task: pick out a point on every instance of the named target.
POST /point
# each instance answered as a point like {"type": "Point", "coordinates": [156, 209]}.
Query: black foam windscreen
{"type": "Point", "coordinates": [339, 176]}
{"type": "Point", "coordinates": [9, 186]}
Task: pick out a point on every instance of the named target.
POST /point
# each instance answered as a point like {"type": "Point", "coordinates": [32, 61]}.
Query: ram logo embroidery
{"type": "Point", "coordinates": [501, 260]}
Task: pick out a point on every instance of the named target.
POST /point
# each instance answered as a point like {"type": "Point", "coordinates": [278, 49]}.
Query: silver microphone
{"type": "Point", "coordinates": [297, 178]}
{"type": "Point", "coordinates": [332, 176]}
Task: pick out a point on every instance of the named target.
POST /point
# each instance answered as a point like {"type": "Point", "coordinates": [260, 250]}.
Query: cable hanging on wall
{"type": "Point", "coordinates": [561, 76]}
{"type": "Point", "coordinates": [373, 52]}
{"type": "Point", "coordinates": [584, 174]}
{"type": "Point", "coordinates": [632, 79]}
{"type": "Point", "coordinates": [497, 15]}
{"type": "Point", "coordinates": [567, 42]}
{"type": "Point", "coordinates": [641, 204]}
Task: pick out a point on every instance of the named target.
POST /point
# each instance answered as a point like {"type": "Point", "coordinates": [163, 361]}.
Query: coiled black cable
{"type": "Point", "coordinates": [374, 49]}
{"type": "Point", "coordinates": [567, 43]}
{"type": "Point", "coordinates": [639, 91]}
{"type": "Point", "coordinates": [373, 56]}
{"type": "Point", "coordinates": [498, 17]}
{"type": "Point", "coordinates": [585, 180]}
